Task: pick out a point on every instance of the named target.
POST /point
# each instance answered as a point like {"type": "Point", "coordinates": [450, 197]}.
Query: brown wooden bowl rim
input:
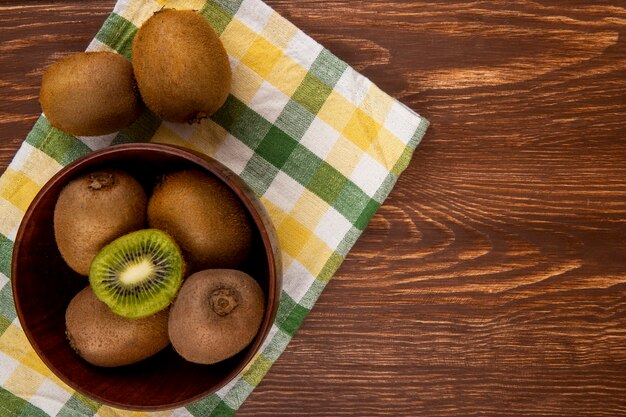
{"type": "Point", "coordinates": [250, 201]}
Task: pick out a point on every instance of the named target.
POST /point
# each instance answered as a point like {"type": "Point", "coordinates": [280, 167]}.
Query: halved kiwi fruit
{"type": "Point", "coordinates": [138, 274]}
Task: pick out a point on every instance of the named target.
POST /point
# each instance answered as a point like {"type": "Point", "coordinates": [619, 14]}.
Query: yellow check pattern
{"type": "Point", "coordinates": [319, 143]}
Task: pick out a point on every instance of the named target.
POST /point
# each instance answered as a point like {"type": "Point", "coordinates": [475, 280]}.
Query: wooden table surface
{"type": "Point", "coordinates": [493, 280]}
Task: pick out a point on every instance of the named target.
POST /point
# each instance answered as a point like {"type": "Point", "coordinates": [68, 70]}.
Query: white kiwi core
{"type": "Point", "coordinates": [137, 272]}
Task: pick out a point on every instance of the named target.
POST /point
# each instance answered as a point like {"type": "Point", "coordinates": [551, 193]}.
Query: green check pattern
{"type": "Point", "coordinates": [319, 143]}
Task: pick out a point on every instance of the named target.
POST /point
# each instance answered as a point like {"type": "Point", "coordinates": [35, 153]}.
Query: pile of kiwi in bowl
{"type": "Point", "coordinates": [161, 348]}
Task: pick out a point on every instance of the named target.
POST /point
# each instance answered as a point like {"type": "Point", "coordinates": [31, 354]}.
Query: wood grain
{"type": "Point", "coordinates": [493, 280]}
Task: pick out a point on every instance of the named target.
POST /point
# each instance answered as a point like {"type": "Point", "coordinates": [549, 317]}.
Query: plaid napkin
{"type": "Point", "coordinates": [319, 143]}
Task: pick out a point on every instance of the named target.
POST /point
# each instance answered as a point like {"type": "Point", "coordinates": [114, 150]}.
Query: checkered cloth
{"type": "Point", "coordinates": [319, 143]}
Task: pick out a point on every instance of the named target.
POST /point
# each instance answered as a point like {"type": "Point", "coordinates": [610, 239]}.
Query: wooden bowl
{"type": "Point", "coordinates": [43, 286]}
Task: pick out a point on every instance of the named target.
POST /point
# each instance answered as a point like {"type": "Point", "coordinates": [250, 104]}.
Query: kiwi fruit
{"type": "Point", "coordinates": [90, 93]}
{"type": "Point", "coordinates": [103, 338]}
{"type": "Point", "coordinates": [216, 315]}
{"type": "Point", "coordinates": [92, 210]}
{"type": "Point", "coordinates": [181, 66]}
{"type": "Point", "coordinates": [204, 216]}
{"type": "Point", "coordinates": [138, 274]}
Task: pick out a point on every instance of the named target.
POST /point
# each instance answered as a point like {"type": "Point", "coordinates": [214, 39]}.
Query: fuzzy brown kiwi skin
{"type": "Point", "coordinates": [216, 315]}
{"type": "Point", "coordinates": [90, 93]}
{"type": "Point", "coordinates": [105, 339]}
{"type": "Point", "coordinates": [181, 66]}
{"type": "Point", "coordinates": [213, 230]}
{"type": "Point", "coordinates": [94, 209]}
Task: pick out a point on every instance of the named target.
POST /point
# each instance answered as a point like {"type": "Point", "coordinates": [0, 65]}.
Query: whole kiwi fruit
{"type": "Point", "coordinates": [138, 274]}
{"type": "Point", "coordinates": [90, 93]}
{"type": "Point", "coordinates": [94, 209]}
{"type": "Point", "coordinates": [103, 338]}
{"type": "Point", "coordinates": [181, 66]}
{"type": "Point", "coordinates": [216, 315]}
{"type": "Point", "coordinates": [205, 218]}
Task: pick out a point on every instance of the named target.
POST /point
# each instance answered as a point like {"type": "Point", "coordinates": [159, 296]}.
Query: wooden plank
{"type": "Point", "coordinates": [492, 281]}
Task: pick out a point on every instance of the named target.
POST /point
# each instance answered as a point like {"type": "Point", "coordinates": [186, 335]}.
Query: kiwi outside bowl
{"type": "Point", "coordinates": [43, 286]}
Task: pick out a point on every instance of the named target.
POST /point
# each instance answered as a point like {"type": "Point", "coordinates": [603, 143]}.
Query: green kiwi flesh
{"type": "Point", "coordinates": [90, 93]}
{"type": "Point", "coordinates": [181, 66]}
{"type": "Point", "coordinates": [217, 313]}
{"type": "Point", "coordinates": [138, 274]}
{"type": "Point", "coordinates": [103, 338]}
{"type": "Point", "coordinates": [94, 209]}
{"type": "Point", "coordinates": [213, 229]}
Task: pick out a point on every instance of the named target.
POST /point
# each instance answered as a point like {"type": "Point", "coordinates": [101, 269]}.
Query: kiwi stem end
{"type": "Point", "coordinates": [100, 180]}
{"type": "Point", "coordinates": [224, 301]}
